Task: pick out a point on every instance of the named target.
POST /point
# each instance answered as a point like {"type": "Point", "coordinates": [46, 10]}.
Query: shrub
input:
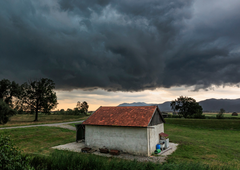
{"type": "Point", "coordinates": [21, 112]}
{"type": "Point", "coordinates": [10, 157]}
{"type": "Point", "coordinates": [174, 116]}
{"type": "Point", "coordinates": [76, 111]}
{"type": "Point", "coordinates": [199, 116]}
{"type": "Point", "coordinates": [234, 114]}
{"type": "Point", "coordinates": [5, 112]}
{"type": "Point", "coordinates": [220, 114]}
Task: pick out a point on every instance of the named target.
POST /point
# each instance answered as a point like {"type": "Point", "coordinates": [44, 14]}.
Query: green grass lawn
{"type": "Point", "coordinates": [223, 124]}
{"type": "Point", "coordinates": [27, 119]}
{"type": "Point", "coordinates": [213, 142]}
{"type": "Point", "coordinates": [39, 140]}
{"type": "Point", "coordinates": [203, 141]}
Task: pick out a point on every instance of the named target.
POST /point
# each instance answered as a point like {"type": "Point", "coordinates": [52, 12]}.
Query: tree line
{"type": "Point", "coordinates": [33, 96]}
{"type": "Point", "coordinates": [80, 109]}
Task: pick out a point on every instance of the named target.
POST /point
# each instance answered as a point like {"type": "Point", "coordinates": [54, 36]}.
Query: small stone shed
{"type": "Point", "coordinates": [131, 129]}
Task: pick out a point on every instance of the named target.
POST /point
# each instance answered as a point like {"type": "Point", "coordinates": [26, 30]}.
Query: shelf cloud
{"type": "Point", "coordinates": [128, 45]}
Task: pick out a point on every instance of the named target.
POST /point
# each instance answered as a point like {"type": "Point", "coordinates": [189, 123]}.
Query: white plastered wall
{"type": "Point", "coordinates": [127, 139]}
{"type": "Point", "coordinates": [153, 136]}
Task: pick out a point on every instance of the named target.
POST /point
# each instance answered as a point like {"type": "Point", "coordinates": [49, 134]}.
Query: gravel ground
{"type": "Point", "coordinates": [76, 147]}
{"type": "Point", "coordinates": [65, 126]}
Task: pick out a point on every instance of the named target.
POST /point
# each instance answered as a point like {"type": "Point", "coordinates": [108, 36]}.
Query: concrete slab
{"type": "Point", "coordinates": [76, 147]}
{"type": "Point", "coordinates": [169, 152]}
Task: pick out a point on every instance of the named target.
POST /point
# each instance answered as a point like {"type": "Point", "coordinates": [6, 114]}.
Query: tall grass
{"type": "Point", "coordinates": [62, 160]}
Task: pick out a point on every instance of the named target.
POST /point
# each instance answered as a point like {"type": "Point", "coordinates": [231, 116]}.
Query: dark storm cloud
{"type": "Point", "coordinates": [123, 45]}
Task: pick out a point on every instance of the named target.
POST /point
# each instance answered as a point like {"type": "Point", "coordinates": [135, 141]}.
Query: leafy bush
{"type": "Point", "coordinates": [20, 111]}
{"type": "Point", "coordinates": [80, 109]}
{"type": "Point", "coordinates": [10, 157]}
{"type": "Point", "coordinates": [199, 116]}
{"type": "Point", "coordinates": [174, 116]}
{"type": "Point", "coordinates": [69, 112]}
{"type": "Point", "coordinates": [195, 116]}
{"type": "Point", "coordinates": [5, 112]}
{"type": "Point", "coordinates": [220, 114]}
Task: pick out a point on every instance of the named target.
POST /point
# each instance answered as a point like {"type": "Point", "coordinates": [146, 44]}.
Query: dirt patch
{"type": "Point", "coordinates": [76, 147]}
{"type": "Point", "coordinates": [66, 127]}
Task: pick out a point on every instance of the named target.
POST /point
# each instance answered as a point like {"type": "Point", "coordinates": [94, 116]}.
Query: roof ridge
{"type": "Point", "coordinates": [131, 106]}
{"type": "Point", "coordinates": [138, 116]}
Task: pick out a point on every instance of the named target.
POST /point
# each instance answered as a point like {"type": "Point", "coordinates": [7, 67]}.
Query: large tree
{"type": "Point", "coordinates": [38, 95]}
{"type": "Point", "coordinates": [186, 106]}
{"type": "Point", "coordinates": [8, 91]}
{"type": "Point", "coordinates": [84, 107]}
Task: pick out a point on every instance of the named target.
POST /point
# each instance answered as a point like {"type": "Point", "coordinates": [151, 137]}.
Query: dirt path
{"type": "Point", "coordinates": [66, 127]}
{"type": "Point", "coordinates": [62, 125]}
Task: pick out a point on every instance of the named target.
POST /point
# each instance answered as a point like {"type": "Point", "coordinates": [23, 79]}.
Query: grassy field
{"type": "Point", "coordinates": [212, 142]}
{"type": "Point", "coordinates": [213, 114]}
{"type": "Point", "coordinates": [27, 119]}
{"type": "Point", "coordinates": [221, 124]}
{"type": "Point", "coordinates": [203, 141]}
{"type": "Point", "coordinates": [39, 140]}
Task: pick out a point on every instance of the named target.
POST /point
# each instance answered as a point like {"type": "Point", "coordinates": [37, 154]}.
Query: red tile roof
{"type": "Point", "coordinates": [138, 116]}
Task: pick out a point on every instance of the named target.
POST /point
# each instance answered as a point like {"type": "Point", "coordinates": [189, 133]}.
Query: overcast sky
{"type": "Point", "coordinates": [131, 50]}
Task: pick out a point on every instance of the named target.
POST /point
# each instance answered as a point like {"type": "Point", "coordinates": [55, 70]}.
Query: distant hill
{"type": "Point", "coordinates": [229, 105]}
{"type": "Point", "coordinates": [164, 106]}
{"type": "Point", "coordinates": [136, 104]}
{"type": "Point", "coordinates": [211, 105]}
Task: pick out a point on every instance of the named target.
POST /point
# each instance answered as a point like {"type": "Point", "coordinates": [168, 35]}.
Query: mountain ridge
{"type": "Point", "coordinates": [210, 105]}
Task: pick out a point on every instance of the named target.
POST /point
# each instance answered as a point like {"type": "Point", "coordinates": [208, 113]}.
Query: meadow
{"type": "Point", "coordinates": [212, 142]}
{"type": "Point", "coordinates": [203, 144]}
{"type": "Point", "coordinates": [27, 119]}
{"type": "Point", "coordinates": [213, 114]}
{"type": "Point", "coordinates": [220, 124]}
{"type": "Point", "coordinates": [39, 140]}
